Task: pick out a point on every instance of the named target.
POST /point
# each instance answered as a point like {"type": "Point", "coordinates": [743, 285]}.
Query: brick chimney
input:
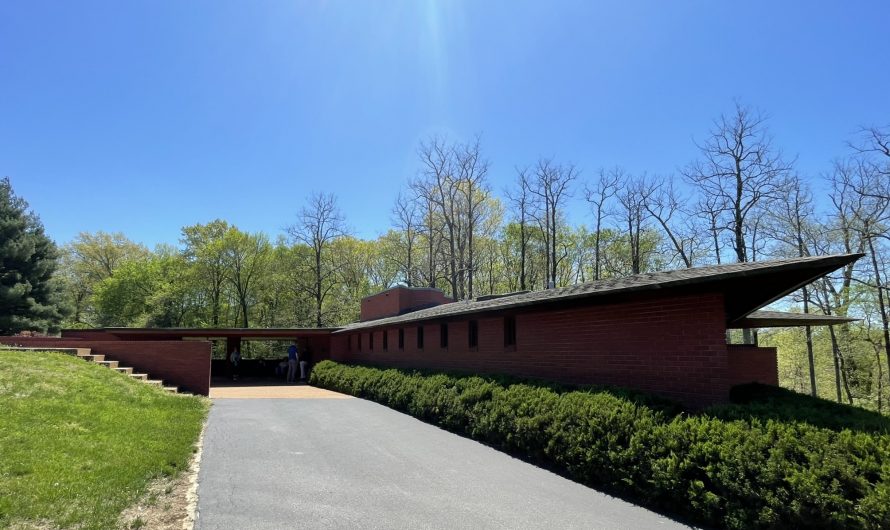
{"type": "Point", "coordinates": [400, 300]}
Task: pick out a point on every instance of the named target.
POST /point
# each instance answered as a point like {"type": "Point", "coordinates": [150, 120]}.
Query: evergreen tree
{"type": "Point", "coordinates": [30, 298]}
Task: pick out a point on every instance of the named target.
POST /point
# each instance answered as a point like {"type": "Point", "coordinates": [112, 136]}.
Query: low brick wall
{"type": "Point", "coordinates": [753, 364]}
{"type": "Point", "coordinates": [185, 364]}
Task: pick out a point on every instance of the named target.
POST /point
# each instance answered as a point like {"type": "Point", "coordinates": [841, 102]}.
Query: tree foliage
{"type": "Point", "coordinates": [30, 297]}
{"type": "Point", "coordinates": [739, 200]}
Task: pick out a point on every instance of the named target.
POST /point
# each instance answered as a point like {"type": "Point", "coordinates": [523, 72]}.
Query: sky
{"type": "Point", "coordinates": [146, 116]}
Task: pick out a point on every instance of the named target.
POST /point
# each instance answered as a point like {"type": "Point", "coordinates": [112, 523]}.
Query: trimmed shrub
{"type": "Point", "coordinates": [772, 461]}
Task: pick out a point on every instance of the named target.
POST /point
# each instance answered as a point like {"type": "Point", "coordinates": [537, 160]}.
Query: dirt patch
{"type": "Point", "coordinates": [169, 503]}
{"type": "Point", "coordinates": [32, 525]}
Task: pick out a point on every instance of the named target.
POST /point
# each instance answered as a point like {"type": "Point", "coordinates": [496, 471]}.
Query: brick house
{"type": "Point", "coordinates": [662, 332]}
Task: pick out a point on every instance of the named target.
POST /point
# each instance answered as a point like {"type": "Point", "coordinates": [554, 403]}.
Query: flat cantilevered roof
{"type": "Point", "coordinates": [244, 333]}
{"type": "Point", "coordinates": [782, 319]}
{"type": "Point", "coordinates": [746, 287]}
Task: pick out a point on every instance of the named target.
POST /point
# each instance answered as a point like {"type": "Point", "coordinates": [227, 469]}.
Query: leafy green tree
{"type": "Point", "coordinates": [30, 297]}
{"type": "Point", "coordinates": [89, 260]}
{"type": "Point", "coordinates": [157, 291]}
{"type": "Point", "coordinates": [123, 299]}
{"type": "Point", "coordinates": [246, 258]}
{"type": "Point", "coordinates": [204, 248]}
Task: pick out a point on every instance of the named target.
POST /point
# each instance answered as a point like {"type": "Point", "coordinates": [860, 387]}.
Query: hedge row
{"type": "Point", "coordinates": [733, 474]}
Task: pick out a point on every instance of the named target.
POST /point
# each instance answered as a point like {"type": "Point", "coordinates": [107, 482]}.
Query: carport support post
{"type": "Point", "coordinates": [231, 344]}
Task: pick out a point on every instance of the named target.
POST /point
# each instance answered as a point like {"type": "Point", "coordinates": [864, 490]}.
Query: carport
{"type": "Point", "coordinates": [315, 341]}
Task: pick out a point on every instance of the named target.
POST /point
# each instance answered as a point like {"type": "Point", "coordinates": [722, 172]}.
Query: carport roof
{"type": "Point", "coordinates": [746, 287]}
{"type": "Point", "coordinates": [782, 319]}
{"type": "Point", "coordinates": [244, 333]}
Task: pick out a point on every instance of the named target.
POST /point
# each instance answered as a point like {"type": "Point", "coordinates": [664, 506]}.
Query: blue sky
{"type": "Point", "coordinates": [143, 117]}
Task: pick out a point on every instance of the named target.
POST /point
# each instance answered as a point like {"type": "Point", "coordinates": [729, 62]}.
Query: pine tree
{"type": "Point", "coordinates": [30, 298]}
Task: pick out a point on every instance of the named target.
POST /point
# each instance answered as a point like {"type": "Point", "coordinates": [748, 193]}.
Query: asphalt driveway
{"type": "Point", "coordinates": [349, 463]}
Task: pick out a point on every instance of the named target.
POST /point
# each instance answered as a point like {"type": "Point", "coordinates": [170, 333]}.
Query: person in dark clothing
{"type": "Point", "coordinates": [236, 364]}
{"type": "Point", "coordinates": [292, 357]}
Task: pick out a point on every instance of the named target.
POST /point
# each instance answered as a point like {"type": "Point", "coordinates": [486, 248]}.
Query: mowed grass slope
{"type": "Point", "coordinates": [80, 442]}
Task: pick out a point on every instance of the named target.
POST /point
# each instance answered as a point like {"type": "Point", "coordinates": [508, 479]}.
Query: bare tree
{"type": "Point", "coordinates": [870, 212]}
{"type": "Point", "coordinates": [711, 208]}
{"type": "Point", "coordinates": [431, 228]}
{"type": "Point", "coordinates": [874, 144]}
{"type": "Point", "coordinates": [632, 198]}
{"type": "Point", "coordinates": [665, 205]}
{"type": "Point", "coordinates": [319, 225]}
{"type": "Point", "coordinates": [834, 293]}
{"type": "Point", "coordinates": [521, 200]}
{"type": "Point", "coordinates": [552, 187]}
{"type": "Point", "coordinates": [472, 172]}
{"type": "Point", "coordinates": [439, 188]}
{"type": "Point", "coordinates": [406, 218]}
{"type": "Point", "coordinates": [742, 170]}
{"type": "Point", "coordinates": [791, 219]}
{"type": "Point", "coordinates": [453, 183]}
{"type": "Point", "coordinates": [605, 188]}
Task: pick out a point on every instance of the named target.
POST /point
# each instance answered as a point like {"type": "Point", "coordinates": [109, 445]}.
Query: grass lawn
{"type": "Point", "coordinates": [80, 442]}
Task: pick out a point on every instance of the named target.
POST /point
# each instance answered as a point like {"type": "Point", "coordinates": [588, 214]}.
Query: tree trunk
{"type": "Point", "coordinates": [806, 310]}
{"type": "Point", "coordinates": [318, 297]}
{"type": "Point", "coordinates": [432, 256]}
{"type": "Point", "coordinates": [881, 304]}
{"type": "Point", "coordinates": [810, 358]}
{"type": "Point", "coordinates": [244, 311]}
{"type": "Point", "coordinates": [471, 263]}
{"type": "Point", "coordinates": [409, 262]}
{"type": "Point", "coordinates": [738, 229]}
{"type": "Point", "coordinates": [596, 244]}
{"type": "Point", "coordinates": [522, 245]}
{"type": "Point", "coordinates": [553, 245]}
{"type": "Point", "coordinates": [839, 369]}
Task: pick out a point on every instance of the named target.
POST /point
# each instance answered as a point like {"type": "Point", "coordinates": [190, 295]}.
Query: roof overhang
{"type": "Point", "coordinates": [748, 292]}
{"type": "Point", "coordinates": [746, 287]}
{"type": "Point", "coordinates": [781, 319]}
{"type": "Point", "coordinates": [207, 333]}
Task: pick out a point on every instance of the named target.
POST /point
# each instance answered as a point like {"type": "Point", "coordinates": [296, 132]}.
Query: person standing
{"type": "Point", "coordinates": [304, 363]}
{"type": "Point", "coordinates": [292, 357]}
{"type": "Point", "coordinates": [235, 358]}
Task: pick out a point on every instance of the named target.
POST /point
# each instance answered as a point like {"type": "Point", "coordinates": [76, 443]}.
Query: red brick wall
{"type": "Point", "coordinates": [753, 364]}
{"type": "Point", "coordinates": [674, 346]}
{"type": "Point", "coordinates": [88, 334]}
{"type": "Point", "coordinates": [185, 364]}
{"type": "Point", "coordinates": [319, 347]}
{"type": "Point", "coordinates": [397, 300]}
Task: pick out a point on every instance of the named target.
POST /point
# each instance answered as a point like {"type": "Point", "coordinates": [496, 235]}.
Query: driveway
{"type": "Point", "coordinates": [320, 461]}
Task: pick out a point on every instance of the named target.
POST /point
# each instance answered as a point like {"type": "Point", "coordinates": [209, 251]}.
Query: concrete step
{"type": "Point", "coordinates": [108, 364]}
{"type": "Point", "coordinates": [155, 382]}
{"type": "Point", "coordinates": [172, 389]}
{"type": "Point", "coordinates": [95, 358]}
{"type": "Point", "coordinates": [124, 369]}
{"type": "Point", "coordinates": [143, 377]}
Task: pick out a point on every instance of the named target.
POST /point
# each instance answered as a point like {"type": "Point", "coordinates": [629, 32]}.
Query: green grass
{"type": "Point", "coordinates": [79, 442]}
{"type": "Point", "coordinates": [765, 402]}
